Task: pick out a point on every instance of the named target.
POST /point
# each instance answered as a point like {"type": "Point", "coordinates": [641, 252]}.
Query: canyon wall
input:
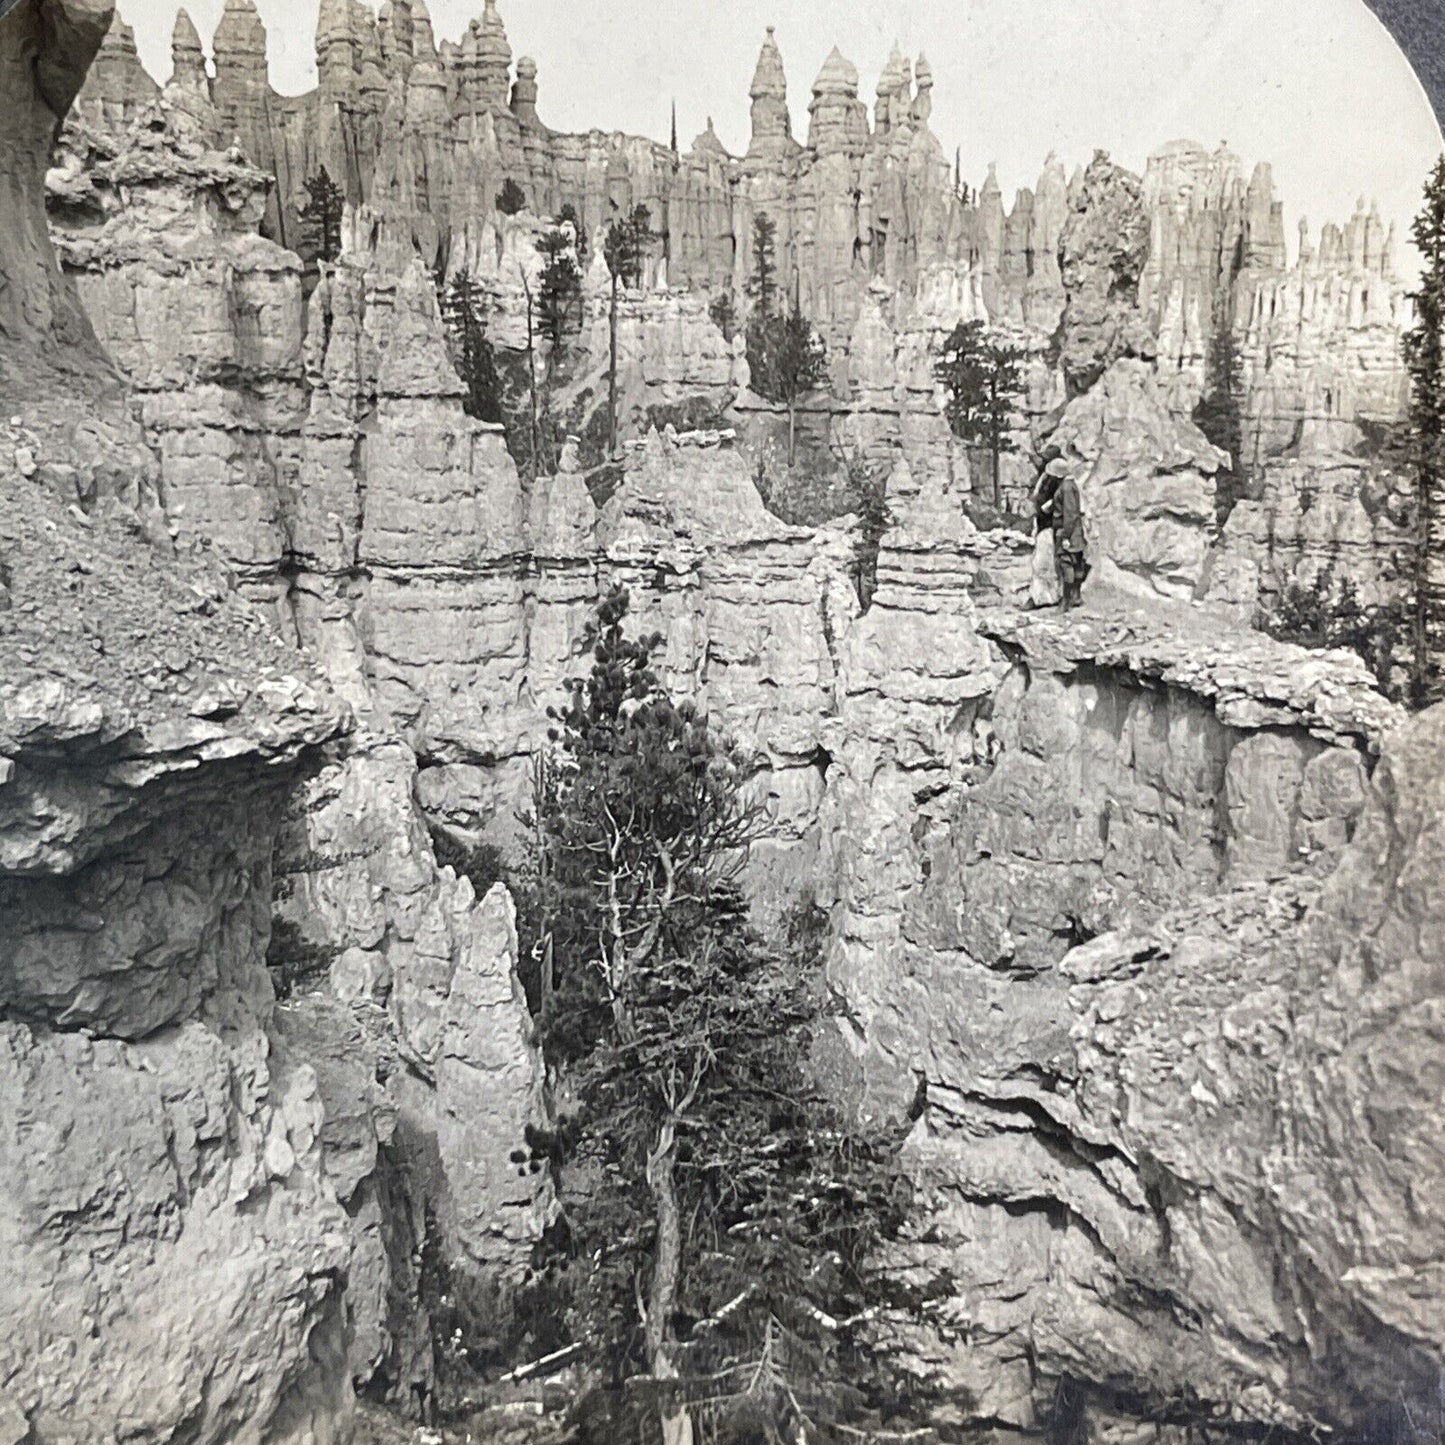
{"type": "Point", "coordinates": [425, 137]}
{"type": "Point", "coordinates": [1111, 899]}
{"type": "Point", "coordinates": [190, 1094]}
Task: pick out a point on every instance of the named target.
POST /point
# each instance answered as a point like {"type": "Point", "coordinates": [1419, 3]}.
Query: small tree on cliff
{"type": "Point", "coordinates": [724, 313]}
{"type": "Point", "coordinates": [511, 199]}
{"type": "Point", "coordinates": [1220, 412]}
{"type": "Point", "coordinates": [559, 290]}
{"type": "Point", "coordinates": [787, 359]}
{"type": "Point", "coordinates": [762, 283]}
{"type": "Point", "coordinates": [726, 1213]}
{"type": "Point", "coordinates": [568, 216]}
{"type": "Point", "coordinates": [463, 307]}
{"type": "Point", "coordinates": [322, 215]}
{"type": "Point", "coordinates": [1425, 358]}
{"type": "Point", "coordinates": [624, 248]}
{"type": "Point", "coordinates": [982, 378]}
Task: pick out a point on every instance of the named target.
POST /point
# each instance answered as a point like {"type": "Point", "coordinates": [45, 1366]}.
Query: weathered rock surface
{"type": "Point", "coordinates": [1147, 482]}
{"type": "Point", "coordinates": [1103, 252]}
{"type": "Point", "coordinates": [1327, 519]}
{"type": "Point", "coordinates": [1096, 1151]}
{"type": "Point", "coordinates": [1002, 813]}
{"type": "Point", "coordinates": [156, 1133]}
{"type": "Point", "coordinates": [1160, 1168]}
{"type": "Point", "coordinates": [379, 945]}
{"type": "Point", "coordinates": [167, 1123]}
{"type": "Point", "coordinates": [45, 52]}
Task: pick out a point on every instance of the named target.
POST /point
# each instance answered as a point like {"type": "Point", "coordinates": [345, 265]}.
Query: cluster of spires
{"type": "Point", "coordinates": [360, 52]}
{"type": "Point", "coordinates": [838, 119]}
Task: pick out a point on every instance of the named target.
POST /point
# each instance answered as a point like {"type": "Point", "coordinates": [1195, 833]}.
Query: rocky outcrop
{"type": "Point", "coordinates": [1103, 253]}
{"type": "Point", "coordinates": [403, 987]}
{"type": "Point", "coordinates": [1146, 478]}
{"type": "Point", "coordinates": [158, 228]}
{"type": "Point", "coordinates": [1153, 1164]}
{"type": "Point", "coordinates": [1310, 341]}
{"type": "Point", "coordinates": [1096, 1061]}
{"type": "Point", "coordinates": [45, 52]}
{"type": "Point", "coordinates": [168, 1120]}
{"type": "Point", "coordinates": [157, 1131]}
{"type": "Point", "coordinates": [1057, 852]}
{"type": "Point", "coordinates": [1329, 523]}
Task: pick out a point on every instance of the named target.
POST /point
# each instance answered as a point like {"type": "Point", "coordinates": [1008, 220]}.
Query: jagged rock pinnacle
{"type": "Point", "coordinates": [188, 58]}
{"type": "Point", "coordinates": [772, 127]}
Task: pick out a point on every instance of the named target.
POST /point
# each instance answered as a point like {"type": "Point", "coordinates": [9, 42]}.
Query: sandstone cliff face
{"type": "Point", "coordinates": [156, 1131]}
{"type": "Point", "coordinates": [1186, 267]}
{"type": "Point", "coordinates": [1001, 814]}
{"type": "Point", "coordinates": [167, 1121]}
{"type": "Point", "coordinates": [1147, 482]}
{"type": "Point", "coordinates": [1327, 520]}
{"type": "Point", "coordinates": [1130, 1165]}
{"type": "Point", "coordinates": [44, 54]}
{"type": "Point", "coordinates": [1093, 1149]}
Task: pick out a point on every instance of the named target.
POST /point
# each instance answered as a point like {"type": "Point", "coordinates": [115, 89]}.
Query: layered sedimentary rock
{"type": "Point", "coordinates": [157, 1130]}
{"type": "Point", "coordinates": [1146, 479]}
{"type": "Point", "coordinates": [1331, 523]}
{"type": "Point", "coordinates": [402, 987]}
{"type": "Point", "coordinates": [159, 230]}
{"type": "Point", "coordinates": [1005, 879]}
{"type": "Point", "coordinates": [1001, 814]}
{"type": "Point", "coordinates": [1103, 252]}
{"type": "Point", "coordinates": [1314, 339]}
{"type": "Point", "coordinates": [44, 52]}
{"type": "Point", "coordinates": [168, 1122]}
{"type": "Point", "coordinates": [1187, 265]}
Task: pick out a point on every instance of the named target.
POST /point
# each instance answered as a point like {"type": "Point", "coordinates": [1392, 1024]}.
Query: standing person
{"type": "Point", "coordinates": [1068, 522]}
{"type": "Point", "coordinates": [1044, 584]}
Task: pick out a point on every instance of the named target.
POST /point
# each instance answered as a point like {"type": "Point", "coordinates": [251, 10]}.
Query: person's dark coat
{"type": "Point", "coordinates": [1068, 516]}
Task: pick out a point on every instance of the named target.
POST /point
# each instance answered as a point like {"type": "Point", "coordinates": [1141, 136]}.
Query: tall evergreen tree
{"type": "Point", "coordinates": [728, 1213]}
{"type": "Point", "coordinates": [568, 216]}
{"type": "Point", "coordinates": [464, 315]}
{"type": "Point", "coordinates": [762, 283]}
{"type": "Point", "coordinates": [1425, 358]}
{"type": "Point", "coordinates": [1220, 412]}
{"type": "Point", "coordinates": [983, 381]}
{"type": "Point", "coordinates": [322, 215]}
{"type": "Point", "coordinates": [559, 289]}
{"type": "Point", "coordinates": [624, 248]}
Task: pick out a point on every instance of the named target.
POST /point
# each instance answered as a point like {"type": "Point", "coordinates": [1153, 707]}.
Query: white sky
{"type": "Point", "coordinates": [1318, 87]}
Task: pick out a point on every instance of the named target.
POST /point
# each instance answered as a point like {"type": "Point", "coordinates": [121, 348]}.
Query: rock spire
{"type": "Point", "coordinates": [772, 126]}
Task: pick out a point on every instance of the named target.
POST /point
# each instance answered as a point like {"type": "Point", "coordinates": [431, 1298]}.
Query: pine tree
{"type": "Point", "coordinates": [728, 1215]}
{"type": "Point", "coordinates": [1220, 414]}
{"type": "Point", "coordinates": [1425, 358]}
{"type": "Point", "coordinates": [559, 290]}
{"type": "Point", "coordinates": [511, 199]}
{"type": "Point", "coordinates": [724, 313]}
{"type": "Point", "coordinates": [983, 380]}
{"type": "Point", "coordinates": [464, 315]}
{"type": "Point", "coordinates": [568, 216]}
{"type": "Point", "coordinates": [625, 251]}
{"type": "Point", "coordinates": [762, 284]}
{"type": "Point", "coordinates": [787, 359]}
{"type": "Point", "coordinates": [321, 217]}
